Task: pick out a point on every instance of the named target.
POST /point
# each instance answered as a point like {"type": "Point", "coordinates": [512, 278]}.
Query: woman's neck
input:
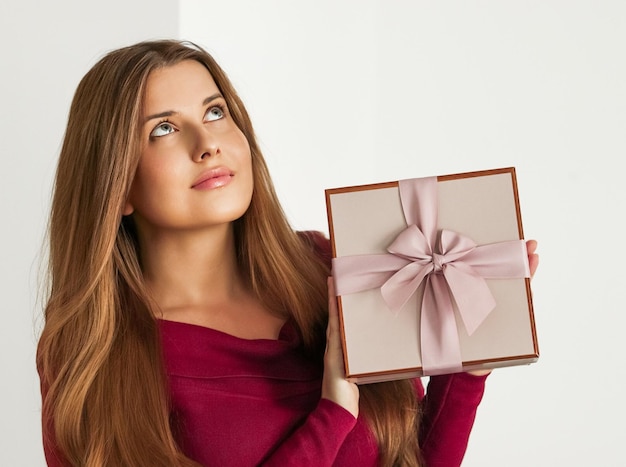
{"type": "Point", "coordinates": [193, 278]}
{"type": "Point", "coordinates": [191, 268]}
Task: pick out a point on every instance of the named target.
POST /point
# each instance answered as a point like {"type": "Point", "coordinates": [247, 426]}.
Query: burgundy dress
{"type": "Point", "coordinates": [239, 402]}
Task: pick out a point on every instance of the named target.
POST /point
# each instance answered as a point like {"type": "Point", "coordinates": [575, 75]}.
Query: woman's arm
{"type": "Point", "coordinates": [318, 440]}
{"type": "Point", "coordinates": [450, 405]}
{"type": "Point", "coordinates": [449, 409]}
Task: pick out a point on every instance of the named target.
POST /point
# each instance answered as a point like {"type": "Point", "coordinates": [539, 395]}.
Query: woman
{"type": "Point", "coordinates": [186, 320]}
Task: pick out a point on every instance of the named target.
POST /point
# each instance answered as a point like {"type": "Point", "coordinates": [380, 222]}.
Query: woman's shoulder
{"type": "Point", "coordinates": [318, 242]}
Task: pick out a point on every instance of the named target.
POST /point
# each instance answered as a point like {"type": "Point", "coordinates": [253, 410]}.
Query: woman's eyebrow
{"type": "Point", "coordinates": [217, 95]}
{"type": "Point", "coordinates": [169, 113]}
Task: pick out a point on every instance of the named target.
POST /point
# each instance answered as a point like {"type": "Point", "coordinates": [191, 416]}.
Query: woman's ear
{"type": "Point", "coordinates": [128, 209]}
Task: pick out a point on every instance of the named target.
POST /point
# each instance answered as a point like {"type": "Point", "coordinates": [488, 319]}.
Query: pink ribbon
{"type": "Point", "coordinates": [451, 266]}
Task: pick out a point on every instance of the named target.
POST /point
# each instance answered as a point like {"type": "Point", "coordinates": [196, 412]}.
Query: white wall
{"type": "Point", "coordinates": [359, 91]}
{"type": "Point", "coordinates": [47, 47]}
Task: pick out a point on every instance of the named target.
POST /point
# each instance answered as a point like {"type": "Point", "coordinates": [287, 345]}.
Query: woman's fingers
{"type": "Point", "coordinates": [533, 258]}
{"type": "Point", "coordinates": [335, 387]}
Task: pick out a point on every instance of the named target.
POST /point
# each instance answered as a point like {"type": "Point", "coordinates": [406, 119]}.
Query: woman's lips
{"type": "Point", "coordinates": [214, 178]}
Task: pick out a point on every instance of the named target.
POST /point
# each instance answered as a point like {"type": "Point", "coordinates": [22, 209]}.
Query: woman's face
{"type": "Point", "coordinates": [195, 169]}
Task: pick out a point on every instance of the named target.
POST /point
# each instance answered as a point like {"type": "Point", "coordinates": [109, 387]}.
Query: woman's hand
{"type": "Point", "coordinates": [533, 258]}
{"type": "Point", "coordinates": [533, 262]}
{"type": "Point", "coordinates": [335, 387]}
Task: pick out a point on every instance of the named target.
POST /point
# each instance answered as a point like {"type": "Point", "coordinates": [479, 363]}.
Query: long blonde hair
{"type": "Point", "coordinates": [99, 355]}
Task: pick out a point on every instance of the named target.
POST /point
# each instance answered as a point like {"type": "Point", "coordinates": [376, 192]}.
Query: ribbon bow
{"type": "Point", "coordinates": [451, 266]}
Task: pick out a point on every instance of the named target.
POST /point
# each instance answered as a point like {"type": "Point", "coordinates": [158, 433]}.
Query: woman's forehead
{"type": "Point", "coordinates": [172, 87]}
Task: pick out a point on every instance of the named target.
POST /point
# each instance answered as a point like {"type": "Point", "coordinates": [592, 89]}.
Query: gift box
{"type": "Point", "coordinates": [431, 276]}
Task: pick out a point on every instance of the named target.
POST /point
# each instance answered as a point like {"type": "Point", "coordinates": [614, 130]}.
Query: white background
{"type": "Point", "coordinates": [350, 92]}
{"type": "Point", "coordinates": [47, 46]}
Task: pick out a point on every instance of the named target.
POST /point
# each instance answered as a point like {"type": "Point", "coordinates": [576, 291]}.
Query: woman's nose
{"type": "Point", "coordinates": [206, 145]}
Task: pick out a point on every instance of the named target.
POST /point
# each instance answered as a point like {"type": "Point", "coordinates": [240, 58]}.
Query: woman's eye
{"type": "Point", "coordinates": [214, 113]}
{"type": "Point", "coordinates": [162, 129]}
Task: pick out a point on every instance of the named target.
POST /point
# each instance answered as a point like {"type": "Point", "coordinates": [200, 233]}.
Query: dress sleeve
{"type": "Point", "coordinates": [449, 409]}
{"type": "Point", "coordinates": [320, 437]}
{"type": "Point", "coordinates": [50, 449]}
{"type": "Point", "coordinates": [53, 458]}
{"type": "Point", "coordinates": [318, 440]}
{"type": "Point", "coordinates": [320, 245]}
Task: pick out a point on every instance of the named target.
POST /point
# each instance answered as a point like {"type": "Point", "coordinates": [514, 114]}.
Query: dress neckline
{"type": "Point", "coordinates": [287, 333]}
